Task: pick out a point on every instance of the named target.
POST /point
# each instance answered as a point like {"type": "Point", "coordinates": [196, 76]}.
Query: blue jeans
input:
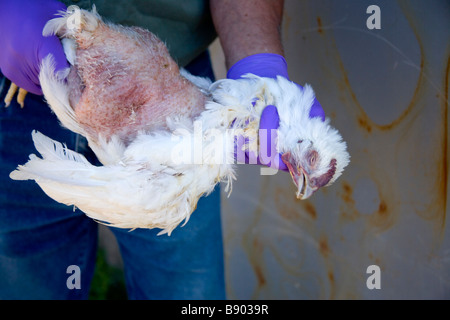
{"type": "Point", "coordinates": [40, 238]}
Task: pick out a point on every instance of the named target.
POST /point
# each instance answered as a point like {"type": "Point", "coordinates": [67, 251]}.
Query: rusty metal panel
{"type": "Point", "coordinates": [387, 91]}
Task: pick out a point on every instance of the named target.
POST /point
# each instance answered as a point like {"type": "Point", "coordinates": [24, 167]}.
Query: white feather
{"type": "Point", "coordinates": [54, 151]}
{"type": "Point", "coordinates": [146, 193]}
{"type": "Point", "coordinates": [56, 93]}
{"type": "Point", "coordinates": [72, 22]}
{"type": "Point", "coordinates": [143, 185]}
{"type": "Point", "coordinates": [70, 49]}
{"type": "Point", "coordinates": [201, 82]}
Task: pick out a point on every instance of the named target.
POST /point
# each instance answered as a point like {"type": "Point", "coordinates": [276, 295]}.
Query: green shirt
{"type": "Point", "coordinates": [184, 25]}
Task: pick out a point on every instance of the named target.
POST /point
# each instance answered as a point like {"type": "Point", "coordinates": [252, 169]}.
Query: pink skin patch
{"type": "Point", "coordinates": [297, 173]}
{"type": "Point", "coordinates": [125, 81]}
{"type": "Point", "coordinates": [324, 179]}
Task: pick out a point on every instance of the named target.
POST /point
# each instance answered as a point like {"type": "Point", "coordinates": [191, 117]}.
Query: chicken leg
{"type": "Point", "coordinates": [20, 95]}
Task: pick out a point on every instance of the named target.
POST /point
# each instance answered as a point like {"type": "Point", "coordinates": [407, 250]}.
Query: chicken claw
{"type": "Point", "coordinates": [10, 94]}
{"type": "Point", "coordinates": [20, 95]}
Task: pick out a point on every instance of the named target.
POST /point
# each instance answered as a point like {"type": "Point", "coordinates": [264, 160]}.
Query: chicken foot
{"type": "Point", "coordinates": [20, 95]}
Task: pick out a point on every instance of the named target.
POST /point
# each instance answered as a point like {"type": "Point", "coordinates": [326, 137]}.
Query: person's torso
{"type": "Point", "coordinates": [185, 26]}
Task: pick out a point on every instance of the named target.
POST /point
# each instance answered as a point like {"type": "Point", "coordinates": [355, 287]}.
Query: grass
{"type": "Point", "coordinates": [108, 282]}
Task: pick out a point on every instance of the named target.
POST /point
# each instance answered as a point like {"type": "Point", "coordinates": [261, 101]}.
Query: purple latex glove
{"type": "Point", "coordinates": [22, 45]}
{"type": "Point", "coordinates": [267, 65]}
{"type": "Point", "coordinates": [267, 136]}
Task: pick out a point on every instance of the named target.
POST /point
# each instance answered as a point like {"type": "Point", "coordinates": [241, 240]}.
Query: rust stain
{"type": "Point", "coordinates": [254, 247]}
{"type": "Point", "coordinates": [439, 202]}
{"type": "Point", "coordinates": [333, 115]}
{"type": "Point", "coordinates": [349, 216]}
{"type": "Point", "coordinates": [409, 108]}
{"type": "Point", "coordinates": [383, 218]}
{"type": "Point", "coordinates": [310, 209]}
{"type": "Point", "coordinates": [376, 260]}
{"type": "Point", "coordinates": [349, 213]}
{"type": "Point", "coordinates": [387, 213]}
{"type": "Point", "coordinates": [324, 248]}
{"type": "Point", "coordinates": [363, 119]}
{"type": "Point", "coordinates": [331, 277]}
{"type": "Point", "coordinates": [363, 122]}
{"type": "Point", "coordinates": [281, 201]}
{"type": "Point", "coordinates": [259, 276]}
{"type": "Point", "coordinates": [332, 284]}
{"type": "Point", "coordinates": [445, 144]}
{"type": "Point", "coordinates": [382, 209]}
{"type": "Point", "coordinates": [283, 198]}
{"type": "Point", "coordinates": [258, 248]}
{"type": "Point", "coordinates": [319, 24]}
{"type": "Point", "coordinates": [289, 214]}
{"type": "Point", "coordinates": [388, 207]}
{"type": "Point", "coordinates": [348, 190]}
{"type": "Point", "coordinates": [436, 209]}
{"type": "Point", "coordinates": [255, 256]}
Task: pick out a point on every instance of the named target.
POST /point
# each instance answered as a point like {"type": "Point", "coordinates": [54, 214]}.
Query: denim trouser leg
{"type": "Point", "coordinates": [39, 238]}
{"type": "Point", "coordinates": [186, 265]}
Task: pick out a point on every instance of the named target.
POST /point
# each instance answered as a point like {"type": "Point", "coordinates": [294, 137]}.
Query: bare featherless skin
{"type": "Point", "coordinates": [139, 111]}
{"type": "Point", "coordinates": [124, 81]}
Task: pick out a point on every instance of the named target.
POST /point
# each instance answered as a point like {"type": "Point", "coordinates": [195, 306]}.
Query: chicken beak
{"type": "Point", "coordinates": [305, 191]}
{"type": "Point", "coordinates": [299, 177]}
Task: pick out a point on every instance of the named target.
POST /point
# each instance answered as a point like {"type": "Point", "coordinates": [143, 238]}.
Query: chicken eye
{"type": "Point", "coordinates": [312, 158]}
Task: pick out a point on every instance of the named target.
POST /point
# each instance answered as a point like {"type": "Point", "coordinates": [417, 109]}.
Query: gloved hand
{"type": "Point", "coordinates": [22, 46]}
{"type": "Point", "coordinates": [267, 65]}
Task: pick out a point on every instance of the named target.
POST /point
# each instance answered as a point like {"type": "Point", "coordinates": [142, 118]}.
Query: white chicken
{"type": "Point", "coordinates": [165, 138]}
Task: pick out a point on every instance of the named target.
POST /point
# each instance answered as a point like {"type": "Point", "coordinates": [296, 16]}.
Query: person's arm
{"type": "Point", "coordinates": [250, 34]}
{"type": "Point", "coordinates": [247, 27]}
